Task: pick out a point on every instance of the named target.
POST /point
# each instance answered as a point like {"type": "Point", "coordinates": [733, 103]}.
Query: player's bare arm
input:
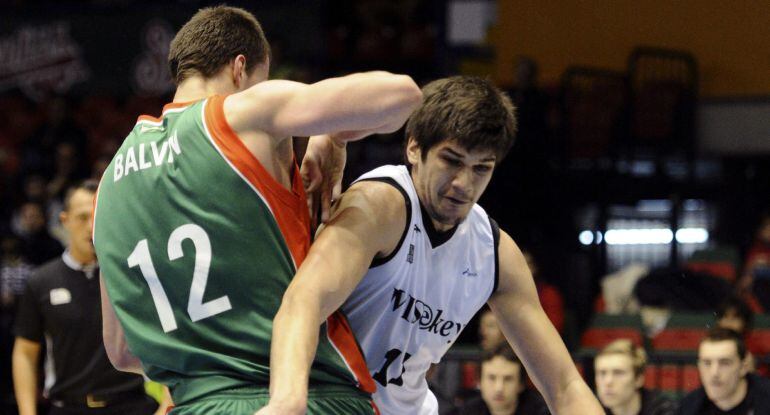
{"type": "Point", "coordinates": [114, 339]}
{"type": "Point", "coordinates": [367, 223]}
{"type": "Point", "coordinates": [535, 340]}
{"type": "Point", "coordinates": [371, 102]}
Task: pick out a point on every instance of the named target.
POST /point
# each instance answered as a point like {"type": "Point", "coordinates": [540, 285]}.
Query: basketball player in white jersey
{"type": "Point", "coordinates": [410, 257]}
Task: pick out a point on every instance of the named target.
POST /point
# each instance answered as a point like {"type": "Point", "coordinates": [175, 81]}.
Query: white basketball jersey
{"type": "Point", "coordinates": [410, 307]}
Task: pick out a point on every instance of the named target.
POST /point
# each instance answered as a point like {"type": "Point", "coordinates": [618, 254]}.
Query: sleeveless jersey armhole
{"type": "Point", "coordinates": [496, 238]}
{"type": "Point", "coordinates": [407, 202]}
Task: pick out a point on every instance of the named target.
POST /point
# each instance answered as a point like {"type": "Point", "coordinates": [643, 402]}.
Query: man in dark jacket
{"type": "Point", "coordinates": [728, 388]}
{"type": "Point", "coordinates": [503, 387]}
{"type": "Point", "coordinates": [619, 375]}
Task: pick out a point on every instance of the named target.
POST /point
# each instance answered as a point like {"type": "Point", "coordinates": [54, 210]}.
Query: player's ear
{"type": "Point", "coordinates": [238, 71]}
{"type": "Point", "coordinates": [413, 152]}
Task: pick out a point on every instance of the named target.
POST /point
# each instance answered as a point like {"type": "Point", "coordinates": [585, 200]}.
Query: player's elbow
{"type": "Point", "coordinates": [301, 302]}
{"type": "Point", "coordinates": [407, 95]}
{"type": "Point", "coordinates": [124, 361]}
{"type": "Point", "coordinates": [118, 359]}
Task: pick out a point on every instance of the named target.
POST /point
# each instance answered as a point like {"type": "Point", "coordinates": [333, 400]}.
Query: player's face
{"type": "Point", "coordinates": [501, 384]}
{"type": "Point", "coordinates": [616, 383]}
{"type": "Point", "coordinates": [721, 369]}
{"type": "Point", "coordinates": [77, 220]}
{"type": "Point", "coordinates": [450, 180]}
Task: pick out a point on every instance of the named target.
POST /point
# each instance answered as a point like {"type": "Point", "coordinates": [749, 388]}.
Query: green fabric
{"type": "Point", "coordinates": [246, 402]}
{"type": "Point", "coordinates": [617, 321]}
{"type": "Point", "coordinates": [190, 187]}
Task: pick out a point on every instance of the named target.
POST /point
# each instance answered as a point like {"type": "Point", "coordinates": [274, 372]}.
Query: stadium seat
{"type": "Point", "coordinates": [606, 328]}
{"type": "Point", "coordinates": [683, 332]}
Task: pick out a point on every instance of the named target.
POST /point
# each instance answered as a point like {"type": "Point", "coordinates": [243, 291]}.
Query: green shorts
{"type": "Point", "coordinates": [319, 402]}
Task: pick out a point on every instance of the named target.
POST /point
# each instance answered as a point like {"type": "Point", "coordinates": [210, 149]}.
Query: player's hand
{"type": "Point", "coordinates": [321, 173]}
{"type": "Point", "coordinates": [274, 408]}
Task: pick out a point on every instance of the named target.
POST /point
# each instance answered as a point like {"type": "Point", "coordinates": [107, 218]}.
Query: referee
{"type": "Point", "coordinates": [61, 305]}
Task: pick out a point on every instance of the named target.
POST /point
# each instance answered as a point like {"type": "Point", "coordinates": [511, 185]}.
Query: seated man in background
{"type": "Point", "coordinates": [503, 387]}
{"type": "Point", "coordinates": [619, 373]}
{"type": "Point", "coordinates": [728, 387]}
{"type": "Point", "coordinates": [736, 315]}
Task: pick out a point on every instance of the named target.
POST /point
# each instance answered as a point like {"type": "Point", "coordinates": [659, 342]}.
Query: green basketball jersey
{"type": "Point", "coordinates": [197, 243]}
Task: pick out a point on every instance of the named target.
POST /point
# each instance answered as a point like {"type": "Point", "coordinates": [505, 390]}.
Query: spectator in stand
{"type": "Point", "coordinates": [728, 387]}
{"type": "Point", "coordinates": [503, 386]}
{"type": "Point", "coordinates": [29, 225]}
{"type": "Point", "coordinates": [736, 315]}
{"type": "Point", "coordinates": [550, 298]}
{"type": "Point", "coordinates": [756, 269]}
{"type": "Point", "coordinates": [619, 374]}
{"type": "Point", "coordinates": [14, 271]}
{"type": "Point", "coordinates": [40, 150]}
{"type": "Point", "coordinates": [490, 335]}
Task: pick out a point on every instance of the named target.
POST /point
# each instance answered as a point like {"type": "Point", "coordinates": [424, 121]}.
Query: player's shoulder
{"type": "Point", "coordinates": [383, 195]}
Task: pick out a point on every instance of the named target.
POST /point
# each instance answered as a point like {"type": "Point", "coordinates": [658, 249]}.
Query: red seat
{"type": "Point", "coordinates": [691, 378]}
{"type": "Point", "coordinates": [678, 339]}
{"type": "Point", "coordinates": [598, 337]}
{"type": "Point", "coordinates": [721, 269]}
{"type": "Point", "coordinates": [669, 378]}
{"type": "Point", "coordinates": [651, 377]}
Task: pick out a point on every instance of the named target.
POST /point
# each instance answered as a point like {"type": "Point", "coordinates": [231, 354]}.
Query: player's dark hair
{"type": "Point", "coordinates": [212, 38]}
{"type": "Point", "coordinates": [466, 109]}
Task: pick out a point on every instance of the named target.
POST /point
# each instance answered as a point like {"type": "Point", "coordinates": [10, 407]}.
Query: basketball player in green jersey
{"type": "Point", "coordinates": [201, 220]}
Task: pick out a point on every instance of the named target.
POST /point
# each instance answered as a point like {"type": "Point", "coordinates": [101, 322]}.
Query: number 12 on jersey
{"type": "Point", "coordinates": [196, 308]}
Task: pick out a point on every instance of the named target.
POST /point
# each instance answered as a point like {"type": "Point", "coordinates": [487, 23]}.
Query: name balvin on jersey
{"type": "Point", "coordinates": [422, 315]}
{"type": "Point", "coordinates": [145, 155]}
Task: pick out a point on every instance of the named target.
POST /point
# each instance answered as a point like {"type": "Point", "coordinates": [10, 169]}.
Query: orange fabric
{"type": "Point", "coordinates": [341, 336]}
{"type": "Point", "coordinates": [165, 107]}
{"type": "Point", "coordinates": [289, 207]}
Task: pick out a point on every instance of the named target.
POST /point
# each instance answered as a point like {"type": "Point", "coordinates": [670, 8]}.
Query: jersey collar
{"type": "Point", "coordinates": [77, 266]}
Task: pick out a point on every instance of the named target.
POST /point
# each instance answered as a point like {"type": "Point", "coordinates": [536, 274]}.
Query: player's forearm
{"type": "Point", "coordinates": [25, 383]}
{"type": "Point", "coordinates": [295, 339]}
{"type": "Point", "coordinates": [576, 398]}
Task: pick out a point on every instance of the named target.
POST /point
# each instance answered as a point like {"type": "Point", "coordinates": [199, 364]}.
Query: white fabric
{"type": "Point", "coordinates": [418, 302]}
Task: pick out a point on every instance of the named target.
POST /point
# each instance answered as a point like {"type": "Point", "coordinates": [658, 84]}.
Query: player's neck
{"type": "Point", "coordinates": [197, 87]}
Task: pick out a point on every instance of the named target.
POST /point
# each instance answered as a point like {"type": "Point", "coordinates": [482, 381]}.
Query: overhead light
{"type": "Point", "coordinates": [653, 236]}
